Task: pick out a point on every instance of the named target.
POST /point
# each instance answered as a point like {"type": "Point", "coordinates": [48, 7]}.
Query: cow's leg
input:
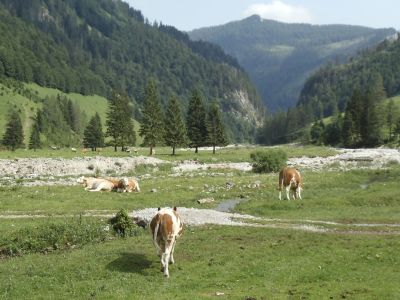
{"type": "Point", "coordinates": [298, 192]}
{"type": "Point", "coordinates": [171, 258]}
{"type": "Point", "coordinates": [167, 254]}
{"type": "Point", "coordinates": [280, 194]}
{"type": "Point", "coordinates": [287, 192]}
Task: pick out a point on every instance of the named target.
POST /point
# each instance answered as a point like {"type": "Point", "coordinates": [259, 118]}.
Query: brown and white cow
{"type": "Point", "coordinates": [290, 179]}
{"type": "Point", "coordinates": [166, 226]}
{"type": "Point", "coordinates": [128, 185]}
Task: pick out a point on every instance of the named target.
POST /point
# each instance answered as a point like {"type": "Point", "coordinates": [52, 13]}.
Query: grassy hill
{"type": "Point", "coordinates": [14, 98]}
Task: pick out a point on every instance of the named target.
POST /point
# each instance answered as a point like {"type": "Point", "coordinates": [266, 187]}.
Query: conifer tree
{"type": "Point", "coordinates": [93, 134]}
{"type": "Point", "coordinates": [152, 125]}
{"type": "Point", "coordinates": [175, 131]}
{"type": "Point", "coordinates": [34, 139]}
{"type": "Point", "coordinates": [370, 125]}
{"type": "Point", "coordinates": [14, 136]}
{"type": "Point", "coordinates": [215, 128]}
{"type": "Point", "coordinates": [351, 124]}
{"type": "Point", "coordinates": [119, 121]}
{"type": "Point", "coordinates": [391, 113]}
{"type": "Point", "coordinates": [196, 122]}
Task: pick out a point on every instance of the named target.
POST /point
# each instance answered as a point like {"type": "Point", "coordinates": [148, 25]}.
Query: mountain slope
{"type": "Point", "coordinates": [94, 46]}
{"type": "Point", "coordinates": [333, 85]}
{"type": "Point", "coordinates": [279, 57]}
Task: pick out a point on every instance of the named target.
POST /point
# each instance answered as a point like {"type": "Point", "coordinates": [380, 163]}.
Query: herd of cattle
{"type": "Point", "coordinates": [167, 226]}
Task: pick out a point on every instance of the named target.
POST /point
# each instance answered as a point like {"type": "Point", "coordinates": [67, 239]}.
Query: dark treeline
{"type": "Point", "coordinates": [96, 46]}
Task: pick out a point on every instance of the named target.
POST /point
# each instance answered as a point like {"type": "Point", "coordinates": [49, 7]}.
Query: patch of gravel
{"type": "Point", "coordinates": [31, 168]}
{"type": "Point", "coordinates": [349, 159]}
{"type": "Point", "coordinates": [196, 217]}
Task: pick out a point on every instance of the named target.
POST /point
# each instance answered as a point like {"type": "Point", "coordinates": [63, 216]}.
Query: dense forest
{"type": "Point", "coordinates": [353, 95]}
{"type": "Point", "coordinates": [97, 46]}
{"type": "Point", "coordinates": [331, 87]}
{"type": "Point", "coordinates": [279, 57]}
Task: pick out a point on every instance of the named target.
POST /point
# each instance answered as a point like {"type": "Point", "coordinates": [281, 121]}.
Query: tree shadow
{"type": "Point", "coordinates": [130, 263]}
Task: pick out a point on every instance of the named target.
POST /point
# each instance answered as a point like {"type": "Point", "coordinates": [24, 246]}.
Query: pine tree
{"type": "Point", "coordinates": [196, 122]}
{"type": "Point", "coordinates": [119, 121]}
{"type": "Point", "coordinates": [391, 113]}
{"type": "Point", "coordinates": [215, 128]}
{"type": "Point", "coordinates": [175, 131]}
{"type": "Point", "coordinates": [370, 126]}
{"type": "Point", "coordinates": [93, 134]}
{"type": "Point", "coordinates": [14, 136]}
{"type": "Point", "coordinates": [34, 139]}
{"type": "Point", "coordinates": [352, 121]}
{"type": "Point", "coordinates": [152, 125]}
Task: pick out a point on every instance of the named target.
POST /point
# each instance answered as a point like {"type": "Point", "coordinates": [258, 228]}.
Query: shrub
{"type": "Point", "coordinates": [271, 160]}
{"type": "Point", "coordinates": [123, 224]}
{"type": "Point", "coordinates": [54, 236]}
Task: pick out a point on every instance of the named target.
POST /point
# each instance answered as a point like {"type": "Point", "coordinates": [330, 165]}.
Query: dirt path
{"type": "Point", "coordinates": [198, 217]}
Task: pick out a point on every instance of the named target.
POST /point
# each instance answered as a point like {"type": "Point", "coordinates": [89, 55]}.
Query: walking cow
{"type": "Point", "coordinates": [166, 226]}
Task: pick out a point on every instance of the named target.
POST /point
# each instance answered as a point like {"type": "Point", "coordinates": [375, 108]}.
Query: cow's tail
{"type": "Point", "coordinates": [155, 236]}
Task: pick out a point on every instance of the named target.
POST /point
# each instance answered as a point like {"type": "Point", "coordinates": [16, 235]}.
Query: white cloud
{"type": "Point", "coordinates": [279, 11]}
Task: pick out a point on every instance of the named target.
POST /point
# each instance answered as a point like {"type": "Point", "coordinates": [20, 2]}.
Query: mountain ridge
{"type": "Point", "coordinates": [279, 57]}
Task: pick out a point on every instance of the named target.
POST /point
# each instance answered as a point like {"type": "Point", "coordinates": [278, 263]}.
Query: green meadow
{"type": "Point", "coordinates": [212, 262]}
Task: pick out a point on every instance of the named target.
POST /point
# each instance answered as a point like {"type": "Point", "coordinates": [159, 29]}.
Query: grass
{"type": "Point", "coordinates": [359, 196]}
{"type": "Point", "coordinates": [242, 263]}
{"type": "Point", "coordinates": [228, 154]}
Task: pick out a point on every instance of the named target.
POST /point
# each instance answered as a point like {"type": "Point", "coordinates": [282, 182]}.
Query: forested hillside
{"type": "Point", "coordinates": [279, 57]}
{"type": "Point", "coordinates": [331, 87]}
{"type": "Point", "coordinates": [352, 95]}
{"type": "Point", "coordinates": [96, 46]}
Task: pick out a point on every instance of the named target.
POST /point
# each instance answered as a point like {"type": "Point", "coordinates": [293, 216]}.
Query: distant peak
{"type": "Point", "coordinates": [254, 18]}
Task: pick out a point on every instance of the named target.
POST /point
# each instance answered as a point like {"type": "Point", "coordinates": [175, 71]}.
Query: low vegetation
{"type": "Point", "coordinates": [60, 256]}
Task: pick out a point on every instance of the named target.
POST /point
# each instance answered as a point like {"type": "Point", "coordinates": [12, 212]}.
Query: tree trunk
{"type": "Point", "coordinates": [173, 150]}
{"type": "Point", "coordinates": [151, 151]}
{"type": "Point", "coordinates": [197, 150]}
{"type": "Point", "coordinates": [213, 149]}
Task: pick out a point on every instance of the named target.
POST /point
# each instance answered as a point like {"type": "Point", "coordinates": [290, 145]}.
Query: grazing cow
{"type": "Point", "coordinates": [166, 226]}
{"type": "Point", "coordinates": [290, 179]}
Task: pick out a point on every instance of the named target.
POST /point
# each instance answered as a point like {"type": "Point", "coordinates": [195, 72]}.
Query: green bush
{"type": "Point", "coordinates": [271, 160]}
{"type": "Point", "coordinates": [123, 225]}
{"type": "Point", "coordinates": [52, 236]}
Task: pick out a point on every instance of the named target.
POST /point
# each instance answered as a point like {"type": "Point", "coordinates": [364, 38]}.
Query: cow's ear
{"type": "Point", "coordinates": [175, 208]}
{"type": "Point", "coordinates": [159, 208]}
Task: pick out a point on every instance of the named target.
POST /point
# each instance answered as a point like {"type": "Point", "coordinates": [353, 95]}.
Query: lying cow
{"type": "Point", "coordinates": [166, 226]}
{"type": "Point", "coordinates": [290, 179]}
{"type": "Point", "coordinates": [128, 185]}
{"type": "Point", "coordinates": [94, 184]}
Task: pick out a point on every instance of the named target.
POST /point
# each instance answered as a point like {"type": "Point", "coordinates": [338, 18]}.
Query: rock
{"type": "Point", "coordinates": [154, 190]}
{"type": "Point", "coordinates": [205, 200]}
{"type": "Point", "coordinates": [229, 185]}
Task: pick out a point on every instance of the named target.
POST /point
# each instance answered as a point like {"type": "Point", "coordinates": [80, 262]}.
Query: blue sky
{"type": "Point", "coordinates": [190, 14]}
